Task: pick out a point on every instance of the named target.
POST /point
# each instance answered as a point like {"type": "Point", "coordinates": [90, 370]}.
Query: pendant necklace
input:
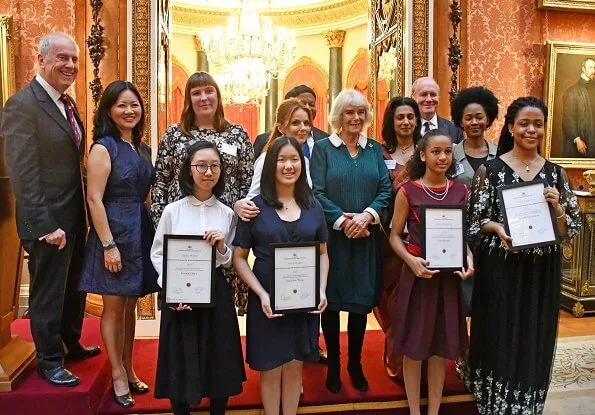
{"type": "Point", "coordinates": [527, 168]}
{"type": "Point", "coordinates": [405, 149]}
{"type": "Point", "coordinates": [288, 204]}
{"type": "Point", "coordinates": [439, 196]}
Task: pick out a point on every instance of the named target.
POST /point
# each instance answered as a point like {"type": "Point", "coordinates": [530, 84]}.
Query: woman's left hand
{"type": "Point", "coordinates": [465, 274]}
{"type": "Point", "coordinates": [215, 238]}
{"type": "Point", "coordinates": [358, 224]}
{"type": "Point", "coordinates": [322, 305]}
{"type": "Point", "coordinates": [553, 196]}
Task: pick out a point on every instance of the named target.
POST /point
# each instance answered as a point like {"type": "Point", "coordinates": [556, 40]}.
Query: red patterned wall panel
{"type": "Point", "coordinates": [246, 116]}
{"type": "Point", "coordinates": [179, 78]}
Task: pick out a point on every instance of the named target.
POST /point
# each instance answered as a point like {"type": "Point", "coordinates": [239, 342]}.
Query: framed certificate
{"type": "Point", "coordinates": [295, 277]}
{"type": "Point", "coordinates": [443, 237]}
{"type": "Point", "coordinates": [188, 271]}
{"type": "Point", "coordinates": [528, 218]}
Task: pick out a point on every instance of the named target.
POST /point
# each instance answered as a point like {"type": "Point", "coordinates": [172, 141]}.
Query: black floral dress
{"type": "Point", "coordinates": [238, 157]}
{"type": "Point", "coordinates": [515, 302]}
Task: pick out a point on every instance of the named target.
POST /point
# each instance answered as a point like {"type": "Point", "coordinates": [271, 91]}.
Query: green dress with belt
{"type": "Point", "coordinates": [342, 183]}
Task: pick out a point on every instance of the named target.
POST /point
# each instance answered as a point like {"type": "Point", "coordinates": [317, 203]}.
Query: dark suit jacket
{"type": "Point", "coordinates": [455, 132]}
{"type": "Point", "coordinates": [578, 119]}
{"type": "Point", "coordinates": [44, 164]}
{"type": "Point", "coordinates": [262, 139]}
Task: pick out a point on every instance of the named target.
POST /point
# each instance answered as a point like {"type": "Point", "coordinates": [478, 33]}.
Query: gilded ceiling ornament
{"type": "Point", "coordinates": [335, 38]}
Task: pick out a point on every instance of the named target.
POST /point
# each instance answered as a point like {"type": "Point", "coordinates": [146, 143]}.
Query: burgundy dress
{"type": "Point", "coordinates": [429, 314]}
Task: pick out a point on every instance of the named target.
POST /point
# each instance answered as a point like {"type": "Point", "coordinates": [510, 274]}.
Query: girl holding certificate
{"type": "Point", "coordinates": [516, 301]}
{"type": "Point", "coordinates": [276, 345]}
{"type": "Point", "coordinates": [200, 353]}
{"type": "Point", "coordinates": [429, 314]}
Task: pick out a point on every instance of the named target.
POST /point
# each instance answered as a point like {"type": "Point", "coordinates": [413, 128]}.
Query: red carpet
{"type": "Point", "coordinates": [93, 394]}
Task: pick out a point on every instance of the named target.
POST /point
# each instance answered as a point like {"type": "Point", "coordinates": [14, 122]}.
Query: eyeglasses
{"type": "Point", "coordinates": [202, 168]}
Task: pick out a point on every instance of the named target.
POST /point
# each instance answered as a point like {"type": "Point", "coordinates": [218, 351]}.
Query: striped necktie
{"type": "Point", "coordinates": [71, 120]}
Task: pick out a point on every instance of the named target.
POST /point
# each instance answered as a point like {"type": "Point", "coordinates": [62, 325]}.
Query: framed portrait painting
{"type": "Point", "coordinates": [568, 5]}
{"type": "Point", "coordinates": [569, 93]}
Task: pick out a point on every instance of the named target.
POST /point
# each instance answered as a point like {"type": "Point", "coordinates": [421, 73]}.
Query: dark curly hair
{"type": "Point", "coordinates": [416, 167]}
{"type": "Point", "coordinates": [474, 95]}
{"type": "Point", "coordinates": [506, 142]}
{"type": "Point", "coordinates": [388, 125]}
{"type": "Point", "coordinates": [185, 177]}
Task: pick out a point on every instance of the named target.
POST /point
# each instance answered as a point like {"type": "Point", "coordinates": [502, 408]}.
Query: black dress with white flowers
{"type": "Point", "coordinates": [515, 301]}
{"type": "Point", "coordinates": [238, 157]}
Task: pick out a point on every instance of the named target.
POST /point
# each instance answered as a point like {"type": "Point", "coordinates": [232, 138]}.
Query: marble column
{"type": "Point", "coordinates": [270, 104]}
{"type": "Point", "coordinates": [335, 40]}
{"type": "Point", "coordinates": [202, 64]}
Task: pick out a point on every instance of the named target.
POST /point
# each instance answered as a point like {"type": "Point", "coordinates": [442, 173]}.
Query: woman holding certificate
{"type": "Point", "coordinates": [516, 301]}
{"type": "Point", "coordinates": [116, 263]}
{"type": "Point", "coordinates": [429, 314]}
{"type": "Point", "coordinates": [200, 353]}
{"type": "Point", "coordinates": [292, 220]}
{"type": "Point", "coordinates": [351, 182]}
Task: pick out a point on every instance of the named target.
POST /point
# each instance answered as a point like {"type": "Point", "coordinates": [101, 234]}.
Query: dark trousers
{"type": "Point", "coordinates": [56, 306]}
{"type": "Point", "coordinates": [356, 328]}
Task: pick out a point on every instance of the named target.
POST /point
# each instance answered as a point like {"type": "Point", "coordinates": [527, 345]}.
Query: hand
{"type": "Point", "coordinates": [181, 307]}
{"type": "Point", "coordinates": [215, 238]}
{"type": "Point", "coordinates": [356, 224]}
{"type": "Point", "coordinates": [419, 266]}
{"type": "Point", "coordinates": [58, 238]}
{"type": "Point", "coordinates": [322, 305]}
{"type": "Point", "coordinates": [112, 260]}
{"type": "Point", "coordinates": [246, 209]}
{"type": "Point", "coordinates": [501, 232]}
{"type": "Point", "coordinates": [553, 196]}
{"type": "Point", "coordinates": [265, 301]}
{"type": "Point", "coordinates": [465, 274]}
{"type": "Point", "coordinates": [581, 146]}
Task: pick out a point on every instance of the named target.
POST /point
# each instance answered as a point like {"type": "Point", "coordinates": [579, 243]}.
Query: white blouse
{"type": "Point", "coordinates": [190, 216]}
{"type": "Point", "coordinates": [258, 166]}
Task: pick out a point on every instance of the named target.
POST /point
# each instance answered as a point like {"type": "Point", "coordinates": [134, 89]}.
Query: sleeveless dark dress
{"type": "Point", "coordinates": [127, 186]}
{"type": "Point", "coordinates": [429, 315]}
{"type": "Point", "coordinates": [273, 342]}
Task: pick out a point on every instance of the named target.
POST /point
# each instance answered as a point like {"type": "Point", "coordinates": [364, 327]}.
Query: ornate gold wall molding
{"type": "Point", "coordinates": [96, 46]}
{"type": "Point", "coordinates": [141, 56]}
{"type": "Point", "coordinates": [335, 38]}
{"type": "Point", "coordinates": [180, 65]}
{"type": "Point", "coordinates": [7, 71]}
{"type": "Point", "coordinates": [361, 52]}
{"type": "Point", "coordinates": [198, 43]}
{"type": "Point", "coordinates": [303, 61]}
{"type": "Point", "coordinates": [421, 30]}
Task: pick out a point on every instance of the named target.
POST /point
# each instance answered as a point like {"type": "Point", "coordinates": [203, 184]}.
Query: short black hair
{"type": "Point", "coordinates": [300, 89]}
{"type": "Point", "coordinates": [185, 178]}
{"type": "Point", "coordinates": [388, 125]}
{"type": "Point", "coordinates": [416, 167]}
{"type": "Point", "coordinates": [474, 95]}
{"type": "Point", "coordinates": [103, 125]}
{"type": "Point", "coordinates": [506, 142]}
{"type": "Point", "coordinates": [268, 183]}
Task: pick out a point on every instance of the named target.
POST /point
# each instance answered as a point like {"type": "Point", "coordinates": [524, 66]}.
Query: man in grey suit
{"type": "Point", "coordinates": [44, 146]}
{"type": "Point", "coordinates": [426, 92]}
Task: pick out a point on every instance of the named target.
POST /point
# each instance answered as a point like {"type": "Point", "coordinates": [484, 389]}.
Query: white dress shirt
{"type": "Point", "coordinates": [190, 216]}
{"type": "Point", "coordinates": [258, 166]}
{"type": "Point", "coordinates": [432, 123]}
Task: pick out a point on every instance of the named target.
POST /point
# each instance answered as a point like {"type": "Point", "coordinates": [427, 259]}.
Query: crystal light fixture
{"type": "Point", "coordinates": [247, 54]}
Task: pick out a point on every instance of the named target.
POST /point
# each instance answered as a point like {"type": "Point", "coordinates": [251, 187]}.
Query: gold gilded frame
{"type": "Point", "coordinates": [554, 50]}
{"type": "Point", "coordinates": [7, 75]}
{"type": "Point", "coordinates": [568, 5]}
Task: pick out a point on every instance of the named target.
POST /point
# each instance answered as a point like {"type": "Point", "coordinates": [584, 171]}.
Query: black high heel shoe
{"type": "Point", "coordinates": [125, 401]}
{"type": "Point", "coordinates": [138, 386]}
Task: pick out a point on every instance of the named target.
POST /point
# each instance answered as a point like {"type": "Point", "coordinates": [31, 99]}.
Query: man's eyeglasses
{"type": "Point", "coordinates": [202, 168]}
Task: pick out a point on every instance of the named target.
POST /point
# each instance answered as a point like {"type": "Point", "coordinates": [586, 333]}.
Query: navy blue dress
{"type": "Point", "coordinates": [273, 342]}
{"type": "Point", "coordinates": [127, 186]}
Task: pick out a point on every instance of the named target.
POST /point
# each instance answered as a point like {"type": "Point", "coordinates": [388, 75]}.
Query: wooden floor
{"type": "Point", "coordinates": [571, 326]}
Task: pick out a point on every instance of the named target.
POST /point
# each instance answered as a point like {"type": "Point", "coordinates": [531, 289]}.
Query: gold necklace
{"type": "Point", "coordinates": [527, 168]}
{"type": "Point", "coordinates": [404, 149]}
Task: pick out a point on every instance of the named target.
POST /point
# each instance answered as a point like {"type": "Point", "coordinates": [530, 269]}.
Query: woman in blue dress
{"type": "Point", "coordinates": [117, 263]}
{"type": "Point", "coordinates": [277, 345]}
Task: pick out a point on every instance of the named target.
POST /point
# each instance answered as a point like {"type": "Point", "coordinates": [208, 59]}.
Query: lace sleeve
{"type": "Point", "coordinates": [481, 202]}
{"type": "Point", "coordinates": [569, 203]}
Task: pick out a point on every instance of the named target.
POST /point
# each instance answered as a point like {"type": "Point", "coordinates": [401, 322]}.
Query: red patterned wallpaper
{"type": "Point", "coordinates": [507, 50]}
{"type": "Point", "coordinates": [33, 19]}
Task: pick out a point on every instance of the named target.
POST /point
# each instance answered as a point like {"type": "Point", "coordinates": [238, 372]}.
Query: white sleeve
{"type": "Point", "coordinates": [157, 248]}
{"type": "Point", "coordinates": [255, 186]}
{"type": "Point", "coordinates": [225, 259]}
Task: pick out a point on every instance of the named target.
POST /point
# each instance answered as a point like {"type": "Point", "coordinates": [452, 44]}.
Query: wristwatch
{"type": "Point", "coordinates": [109, 244]}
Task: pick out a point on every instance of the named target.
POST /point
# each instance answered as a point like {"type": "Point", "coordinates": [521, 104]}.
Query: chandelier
{"type": "Point", "coordinates": [247, 54]}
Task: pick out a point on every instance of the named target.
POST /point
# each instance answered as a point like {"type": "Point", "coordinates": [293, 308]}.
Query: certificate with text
{"type": "Point", "coordinates": [188, 271]}
{"type": "Point", "coordinates": [295, 278]}
{"type": "Point", "coordinates": [443, 237]}
{"type": "Point", "coordinates": [528, 218]}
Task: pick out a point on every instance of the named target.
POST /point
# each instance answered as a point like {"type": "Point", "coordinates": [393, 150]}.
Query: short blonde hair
{"type": "Point", "coordinates": [345, 98]}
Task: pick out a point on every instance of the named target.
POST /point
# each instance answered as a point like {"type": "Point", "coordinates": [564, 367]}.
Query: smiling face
{"type": "Point", "coordinates": [126, 112]}
{"type": "Point", "coordinates": [404, 121]}
{"type": "Point", "coordinates": [438, 154]}
{"type": "Point", "coordinates": [60, 65]}
{"type": "Point", "coordinates": [427, 96]}
{"type": "Point", "coordinates": [207, 180]}
{"type": "Point", "coordinates": [298, 127]}
{"type": "Point", "coordinates": [289, 165]}
{"type": "Point", "coordinates": [204, 101]}
{"type": "Point", "coordinates": [528, 129]}
{"type": "Point", "coordinates": [474, 121]}
{"type": "Point", "coordinates": [352, 119]}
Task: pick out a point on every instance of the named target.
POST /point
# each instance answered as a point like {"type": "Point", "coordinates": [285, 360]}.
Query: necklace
{"type": "Point", "coordinates": [287, 205]}
{"type": "Point", "coordinates": [439, 196]}
{"type": "Point", "coordinates": [527, 168]}
{"type": "Point", "coordinates": [404, 149]}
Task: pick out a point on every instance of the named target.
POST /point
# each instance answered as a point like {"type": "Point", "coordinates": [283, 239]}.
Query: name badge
{"type": "Point", "coordinates": [390, 164]}
{"type": "Point", "coordinates": [460, 170]}
{"type": "Point", "coordinates": [229, 149]}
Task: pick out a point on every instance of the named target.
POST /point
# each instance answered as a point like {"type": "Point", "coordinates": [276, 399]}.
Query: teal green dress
{"type": "Point", "coordinates": [345, 184]}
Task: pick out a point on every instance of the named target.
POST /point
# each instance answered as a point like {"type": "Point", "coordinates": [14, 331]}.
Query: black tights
{"type": "Point", "coordinates": [356, 328]}
{"type": "Point", "coordinates": [217, 407]}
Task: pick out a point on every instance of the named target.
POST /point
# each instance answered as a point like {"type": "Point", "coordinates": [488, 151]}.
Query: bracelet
{"type": "Point", "coordinates": [561, 216]}
{"type": "Point", "coordinates": [109, 244]}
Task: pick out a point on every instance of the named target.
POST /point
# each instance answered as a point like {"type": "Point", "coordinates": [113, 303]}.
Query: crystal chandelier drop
{"type": "Point", "coordinates": [247, 54]}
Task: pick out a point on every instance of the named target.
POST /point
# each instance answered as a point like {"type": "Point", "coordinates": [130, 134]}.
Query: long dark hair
{"type": "Point", "coordinates": [185, 176]}
{"type": "Point", "coordinates": [268, 183]}
{"type": "Point", "coordinates": [103, 125]}
{"type": "Point", "coordinates": [187, 117]}
{"type": "Point", "coordinates": [416, 167]}
{"type": "Point", "coordinates": [506, 142]}
{"type": "Point", "coordinates": [388, 125]}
